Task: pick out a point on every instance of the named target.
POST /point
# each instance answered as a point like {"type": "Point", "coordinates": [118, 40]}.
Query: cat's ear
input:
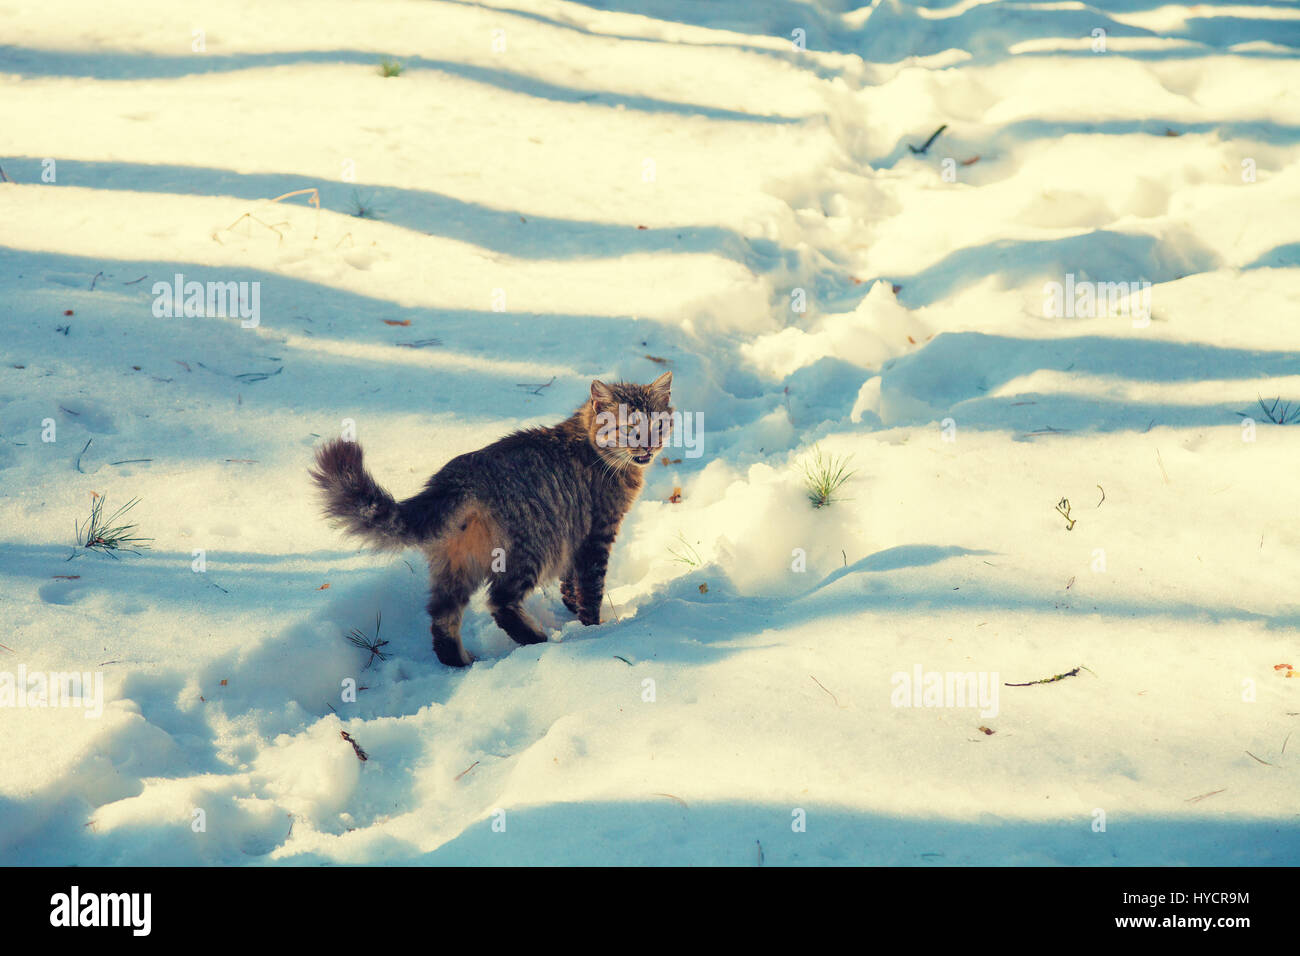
{"type": "Point", "coordinates": [601, 394]}
{"type": "Point", "coordinates": [662, 386]}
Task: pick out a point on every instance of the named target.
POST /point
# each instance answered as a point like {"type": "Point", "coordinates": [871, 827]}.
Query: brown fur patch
{"type": "Point", "coordinates": [464, 549]}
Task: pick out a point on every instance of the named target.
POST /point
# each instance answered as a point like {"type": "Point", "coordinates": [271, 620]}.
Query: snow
{"type": "Point", "coordinates": [625, 180]}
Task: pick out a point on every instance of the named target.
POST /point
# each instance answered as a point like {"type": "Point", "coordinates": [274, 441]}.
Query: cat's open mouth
{"type": "Point", "coordinates": [643, 459]}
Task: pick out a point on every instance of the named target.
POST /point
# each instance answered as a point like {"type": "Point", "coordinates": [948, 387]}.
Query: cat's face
{"type": "Point", "coordinates": [631, 423]}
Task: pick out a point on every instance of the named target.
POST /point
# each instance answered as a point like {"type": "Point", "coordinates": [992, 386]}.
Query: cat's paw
{"type": "Point", "coordinates": [569, 595]}
{"type": "Point", "coordinates": [451, 652]}
{"type": "Point", "coordinates": [589, 618]}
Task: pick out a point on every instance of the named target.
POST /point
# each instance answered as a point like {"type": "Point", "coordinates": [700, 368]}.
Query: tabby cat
{"type": "Point", "coordinates": [539, 504]}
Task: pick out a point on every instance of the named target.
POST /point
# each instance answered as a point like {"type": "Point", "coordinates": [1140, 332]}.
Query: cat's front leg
{"type": "Point", "coordinates": [589, 567]}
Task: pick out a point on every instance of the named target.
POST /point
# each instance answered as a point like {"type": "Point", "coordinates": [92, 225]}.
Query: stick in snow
{"type": "Point", "coordinates": [361, 754]}
{"type": "Point", "coordinates": [833, 697]}
{"type": "Point", "coordinates": [1047, 680]}
{"type": "Point", "coordinates": [933, 136]}
{"type": "Point", "coordinates": [535, 387]}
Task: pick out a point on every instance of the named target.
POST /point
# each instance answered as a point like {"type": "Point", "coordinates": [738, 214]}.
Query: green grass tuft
{"type": "Point", "coordinates": [687, 555]}
{"type": "Point", "coordinates": [363, 207]}
{"type": "Point", "coordinates": [823, 475]}
{"type": "Point", "coordinates": [390, 67]}
{"type": "Point", "coordinates": [105, 535]}
{"type": "Point", "coordinates": [1288, 413]}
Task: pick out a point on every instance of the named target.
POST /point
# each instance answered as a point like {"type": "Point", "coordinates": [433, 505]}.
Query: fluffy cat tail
{"type": "Point", "coordinates": [356, 500]}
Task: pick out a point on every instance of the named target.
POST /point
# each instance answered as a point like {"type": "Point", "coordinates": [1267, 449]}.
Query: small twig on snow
{"type": "Point", "coordinates": [1047, 680]}
{"type": "Point", "coordinates": [933, 136]}
{"type": "Point", "coordinates": [361, 754]}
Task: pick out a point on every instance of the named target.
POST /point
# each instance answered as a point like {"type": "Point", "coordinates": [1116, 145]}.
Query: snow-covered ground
{"type": "Point", "coordinates": [557, 191]}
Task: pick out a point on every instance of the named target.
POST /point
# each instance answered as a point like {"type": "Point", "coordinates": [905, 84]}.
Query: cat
{"type": "Point", "coordinates": [539, 504]}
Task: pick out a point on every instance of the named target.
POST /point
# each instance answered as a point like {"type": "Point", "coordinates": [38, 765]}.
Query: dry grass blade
{"type": "Point", "coordinates": [675, 799]}
{"type": "Point", "coordinates": [832, 696]}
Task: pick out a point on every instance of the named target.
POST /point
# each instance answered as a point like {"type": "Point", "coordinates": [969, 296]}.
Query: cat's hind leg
{"type": "Point", "coordinates": [569, 591]}
{"type": "Point", "coordinates": [458, 560]}
{"type": "Point", "coordinates": [507, 590]}
{"type": "Point", "coordinates": [451, 592]}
